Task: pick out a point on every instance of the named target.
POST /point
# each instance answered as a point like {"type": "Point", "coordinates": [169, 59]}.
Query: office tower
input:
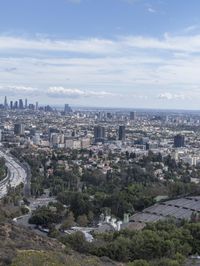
{"type": "Point", "coordinates": [100, 115]}
{"type": "Point", "coordinates": [26, 104]}
{"type": "Point", "coordinates": [132, 115]}
{"type": "Point", "coordinates": [67, 109]}
{"type": "Point", "coordinates": [122, 133]}
{"type": "Point", "coordinates": [54, 139]}
{"type": "Point", "coordinates": [31, 106]}
{"type": "Point", "coordinates": [99, 134]}
{"type": "Point", "coordinates": [48, 108]}
{"type": "Point", "coordinates": [179, 141]}
{"type": "Point", "coordinates": [19, 129]}
{"type": "Point", "coordinates": [16, 104]}
{"type": "Point", "coordinates": [21, 105]}
{"type": "Point", "coordinates": [5, 103]}
{"type": "Point", "coordinates": [109, 115]}
{"type": "Point", "coordinates": [166, 119]}
{"type": "Point", "coordinates": [36, 106]}
{"type": "Point", "coordinates": [51, 131]}
{"type": "Point", "coordinates": [11, 105]}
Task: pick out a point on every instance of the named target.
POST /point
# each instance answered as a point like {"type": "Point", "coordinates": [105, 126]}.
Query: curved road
{"type": "Point", "coordinates": [16, 174]}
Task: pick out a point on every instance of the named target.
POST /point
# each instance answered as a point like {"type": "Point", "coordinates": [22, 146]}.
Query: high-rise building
{"type": "Point", "coordinates": [21, 105]}
{"type": "Point", "coordinates": [109, 115]}
{"type": "Point", "coordinates": [31, 106]}
{"type": "Point", "coordinates": [26, 104]}
{"type": "Point", "coordinates": [19, 129]}
{"type": "Point", "coordinates": [100, 115]}
{"type": "Point", "coordinates": [55, 139]}
{"type": "Point", "coordinates": [179, 141]}
{"type": "Point", "coordinates": [48, 108]}
{"type": "Point", "coordinates": [16, 104]}
{"type": "Point", "coordinates": [99, 134]}
{"type": "Point", "coordinates": [5, 103]}
{"type": "Point", "coordinates": [67, 109]}
{"type": "Point", "coordinates": [122, 133]}
{"type": "Point", "coordinates": [51, 131]}
{"type": "Point", "coordinates": [11, 105]}
{"type": "Point", "coordinates": [133, 115]}
{"type": "Point", "coordinates": [36, 106]}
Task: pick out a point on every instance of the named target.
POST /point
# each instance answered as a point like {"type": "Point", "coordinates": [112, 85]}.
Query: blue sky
{"type": "Point", "coordinates": [112, 53]}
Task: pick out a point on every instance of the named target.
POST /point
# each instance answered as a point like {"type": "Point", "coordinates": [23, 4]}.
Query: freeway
{"type": "Point", "coordinates": [16, 174]}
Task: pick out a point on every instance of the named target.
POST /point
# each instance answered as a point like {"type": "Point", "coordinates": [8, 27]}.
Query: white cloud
{"type": "Point", "coordinates": [170, 96]}
{"type": "Point", "coordinates": [90, 45]}
{"type": "Point", "coordinates": [191, 28]}
{"type": "Point", "coordinates": [128, 65]}
{"type": "Point", "coordinates": [18, 88]}
{"type": "Point", "coordinates": [120, 45]}
{"type": "Point", "coordinates": [151, 10]}
{"type": "Point", "coordinates": [180, 43]}
{"type": "Point", "coordinates": [60, 92]}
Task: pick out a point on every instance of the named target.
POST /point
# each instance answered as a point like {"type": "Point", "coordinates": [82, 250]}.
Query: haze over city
{"type": "Point", "coordinates": [109, 53]}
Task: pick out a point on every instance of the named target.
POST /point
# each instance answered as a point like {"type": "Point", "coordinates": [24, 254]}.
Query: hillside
{"type": "Point", "coordinates": [19, 247]}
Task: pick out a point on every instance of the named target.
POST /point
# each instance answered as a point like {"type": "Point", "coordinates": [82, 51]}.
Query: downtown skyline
{"type": "Point", "coordinates": [122, 53]}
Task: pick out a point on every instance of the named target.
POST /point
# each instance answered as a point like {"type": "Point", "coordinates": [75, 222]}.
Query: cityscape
{"type": "Point", "coordinates": [99, 133]}
{"type": "Point", "coordinates": [108, 170]}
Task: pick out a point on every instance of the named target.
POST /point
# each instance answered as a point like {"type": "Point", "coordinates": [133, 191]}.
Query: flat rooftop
{"type": "Point", "coordinates": [179, 208]}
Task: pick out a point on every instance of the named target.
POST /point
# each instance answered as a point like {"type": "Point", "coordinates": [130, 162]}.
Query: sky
{"type": "Point", "coordinates": [101, 53]}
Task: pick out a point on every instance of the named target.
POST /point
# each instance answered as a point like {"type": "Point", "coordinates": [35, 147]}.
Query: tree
{"type": "Point", "coordinates": [90, 216]}
{"type": "Point", "coordinates": [53, 232]}
{"type": "Point", "coordinates": [44, 216]}
{"type": "Point", "coordinates": [80, 204]}
{"type": "Point", "coordinates": [69, 221]}
{"type": "Point", "coordinates": [77, 241]}
{"type": "Point", "coordinates": [24, 210]}
{"type": "Point", "coordinates": [82, 220]}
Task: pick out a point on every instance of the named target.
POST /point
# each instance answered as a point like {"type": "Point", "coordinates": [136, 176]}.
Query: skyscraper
{"type": "Point", "coordinates": [26, 103]}
{"type": "Point", "coordinates": [67, 109]}
{"type": "Point", "coordinates": [19, 129]}
{"type": "Point", "coordinates": [16, 104]}
{"type": "Point", "coordinates": [5, 103]}
{"type": "Point", "coordinates": [133, 115]}
{"type": "Point", "coordinates": [11, 105]}
{"type": "Point", "coordinates": [179, 141]}
{"type": "Point", "coordinates": [122, 133]}
{"type": "Point", "coordinates": [52, 131]}
{"type": "Point", "coordinates": [36, 106]}
{"type": "Point", "coordinates": [21, 105]}
{"type": "Point", "coordinates": [31, 106]}
{"type": "Point", "coordinates": [99, 134]}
